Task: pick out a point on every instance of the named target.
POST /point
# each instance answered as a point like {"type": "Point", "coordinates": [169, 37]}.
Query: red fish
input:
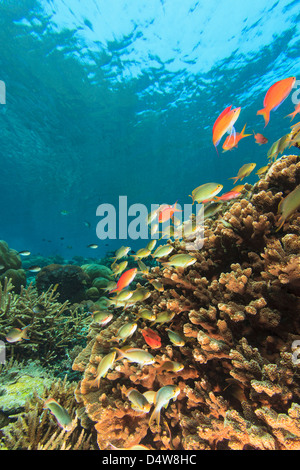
{"type": "Point", "coordinates": [232, 140]}
{"type": "Point", "coordinates": [152, 338]}
{"type": "Point", "coordinates": [224, 123]}
{"type": "Point", "coordinates": [125, 280]}
{"type": "Point", "coordinates": [297, 110]}
{"type": "Point", "coordinates": [276, 95]}
{"type": "Point", "coordinates": [228, 196]}
{"type": "Point", "coordinates": [260, 139]}
{"type": "Point", "coordinates": [167, 212]}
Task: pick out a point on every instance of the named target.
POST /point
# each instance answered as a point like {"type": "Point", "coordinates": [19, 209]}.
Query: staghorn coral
{"type": "Point", "coordinates": [36, 429]}
{"type": "Point", "coordinates": [54, 326]}
{"type": "Point", "coordinates": [238, 308]}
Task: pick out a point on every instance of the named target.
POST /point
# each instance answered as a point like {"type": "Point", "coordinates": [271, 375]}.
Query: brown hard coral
{"type": "Point", "coordinates": [238, 308]}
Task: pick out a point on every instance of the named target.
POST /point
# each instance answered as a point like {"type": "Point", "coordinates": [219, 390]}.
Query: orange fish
{"type": "Point", "coordinates": [260, 139]}
{"type": "Point", "coordinates": [228, 196]}
{"type": "Point", "coordinates": [297, 110]}
{"type": "Point", "coordinates": [276, 95]}
{"type": "Point", "coordinates": [152, 338]}
{"type": "Point", "coordinates": [232, 140]}
{"type": "Point", "coordinates": [125, 280]}
{"type": "Point", "coordinates": [224, 123]}
{"type": "Point", "coordinates": [167, 212]}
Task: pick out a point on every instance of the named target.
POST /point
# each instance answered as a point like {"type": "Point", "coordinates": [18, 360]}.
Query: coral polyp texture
{"type": "Point", "coordinates": [237, 310]}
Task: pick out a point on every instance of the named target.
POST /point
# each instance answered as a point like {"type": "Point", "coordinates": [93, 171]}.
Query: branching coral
{"type": "Point", "coordinates": [53, 325]}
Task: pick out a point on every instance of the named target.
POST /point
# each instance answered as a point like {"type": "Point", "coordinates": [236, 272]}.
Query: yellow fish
{"type": "Point", "coordinates": [139, 401]}
{"type": "Point", "coordinates": [162, 251]}
{"type": "Point", "coordinates": [102, 317]}
{"type": "Point", "coordinates": [262, 170]}
{"type": "Point", "coordinates": [119, 268]}
{"type": "Point", "coordinates": [145, 314]}
{"type": "Point", "coordinates": [62, 416]}
{"type": "Point", "coordinates": [175, 337]}
{"type": "Point", "coordinates": [121, 253]}
{"type": "Point", "coordinates": [142, 267]}
{"type": "Point", "coordinates": [163, 317]}
{"type": "Point", "coordinates": [205, 192]}
{"type": "Point", "coordinates": [181, 260]}
{"type": "Point", "coordinates": [244, 171]}
{"type": "Point", "coordinates": [157, 285]}
{"type": "Point", "coordinates": [151, 245]}
{"type": "Point", "coordinates": [140, 356]}
{"type": "Point", "coordinates": [162, 398]}
{"type": "Point", "coordinates": [142, 253]}
{"type": "Point", "coordinates": [288, 206]}
{"type": "Point", "coordinates": [104, 365]}
{"type": "Point", "coordinates": [124, 332]}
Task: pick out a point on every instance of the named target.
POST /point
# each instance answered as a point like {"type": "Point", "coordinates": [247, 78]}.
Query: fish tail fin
{"type": "Point", "coordinates": [155, 416]}
{"type": "Point", "coordinates": [292, 115]}
{"type": "Point", "coordinates": [235, 178]}
{"type": "Point", "coordinates": [265, 113]}
{"type": "Point", "coordinates": [24, 332]}
{"type": "Point", "coordinates": [243, 132]}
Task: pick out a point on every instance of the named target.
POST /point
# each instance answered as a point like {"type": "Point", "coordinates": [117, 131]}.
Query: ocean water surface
{"type": "Point", "coordinates": [118, 98]}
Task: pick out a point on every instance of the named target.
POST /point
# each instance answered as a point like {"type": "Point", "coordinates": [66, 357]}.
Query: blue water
{"type": "Point", "coordinates": [112, 97]}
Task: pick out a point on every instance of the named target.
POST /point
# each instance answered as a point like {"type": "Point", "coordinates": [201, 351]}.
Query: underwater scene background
{"type": "Point", "coordinates": [116, 343]}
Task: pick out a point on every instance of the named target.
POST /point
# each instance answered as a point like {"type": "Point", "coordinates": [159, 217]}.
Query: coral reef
{"type": "Point", "coordinates": [11, 266]}
{"type": "Point", "coordinates": [54, 327]}
{"type": "Point", "coordinates": [71, 281]}
{"type": "Point", "coordinates": [238, 310]}
{"type": "Point", "coordinates": [36, 429]}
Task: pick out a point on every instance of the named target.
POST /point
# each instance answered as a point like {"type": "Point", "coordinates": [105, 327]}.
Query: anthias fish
{"type": "Point", "coordinates": [260, 138]}
{"type": "Point", "coordinates": [276, 95]}
{"type": "Point", "coordinates": [16, 334]}
{"type": "Point", "coordinates": [152, 338]}
{"type": "Point", "coordinates": [180, 260]}
{"type": "Point", "coordinates": [244, 171]}
{"type": "Point", "coordinates": [232, 140]}
{"type": "Point", "coordinates": [167, 212]}
{"type": "Point", "coordinates": [138, 401]}
{"type": "Point", "coordinates": [61, 414]}
{"type": "Point", "coordinates": [140, 356]}
{"type": "Point", "coordinates": [224, 123]}
{"type": "Point", "coordinates": [162, 398]}
{"type": "Point", "coordinates": [125, 280]}
{"type": "Point", "coordinates": [205, 192]}
{"type": "Point", "coordinates": [288, 206]}
{"type": "Point", "coordinates": [104, 365]}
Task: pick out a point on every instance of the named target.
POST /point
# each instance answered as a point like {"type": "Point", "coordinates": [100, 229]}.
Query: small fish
{"type": "Point", "coordinates": [142, 253]}
{"type": "Point", "coordinates": [139, 295]}
{"type": "Point", "coordinates": [167, 212]}
{"type": "Point", "coordinates": [62, 416]}
{"type": "Point", "coordinates": [121, 253]}
{"type": "Point", "coordinates": [17, 334]}
{"type": "Point", "coordinates": [139, 401]}
{"type": "Point", "coordinates": [212, 209]}
{"type": "Point", "coordinates": [93, 246]}
{"type": "Point", "coordinates": [87, 224]}
{"type": "Point", "coordinates": [224, 123]}
{"type": "Point", "coordinates": [122, 296]}
{"type": "Point", "coordinates": [244, 171]}
{"type": "Point", "coordinates": [288, 206]}
{"type": "Point", "coordinates": [151, 245]}
{"type": "Point", "coordinates": [152, 338]}
{"type": "Point", "coordinates": [104, 365]}
{"type": "Point", "coordinates": [125, 280]}
{"type": "Point", "coordinates": [124, 332]}
{"type": "Point", "coordinates": [205, 192]}
{"type": "Point", "coordinates": [2, 267]}
{"type": "Point", "coordinates": [24, 253]}
{"type": "Point", "coordinates": [64, 212]}
{"type": "Point", "coordinates": [102, 317]}
{"type": "Point", "coordinates": [163, 317]}
{"type": "Point", "coordinates": [145, 314]}
{"type": "Point", "coordinates": [142, 267]}
{"type": "Point", "coordinates": [162, 251]}
{"type": "Point", "coordinates": [34, 269]}
{"type": "Point", "coordinates": [170, 366]}
{"type": "Point", "coordinates": [262, 170]}
{"type": "Point", "coordinates": [175, 338]}
{"type": "Point", "coordinates": [276, 95]}
{"type": "Point", "coordinates": [260, 139]}
{"type": "Point", "coordinates": [153, 230]}
{"type": "Point", "coordinates": [162, 399]}
{"type": "Point", "coordinates": [139, 356]}
{"type": "Point", "coordinates": [39, 308]}
{"type": "Point", "coordinates": [119, 268]}
{"type": "Point", "coordinates": [293, 114]}
{"type": "Point", "coordinates": [181, 260]}
{"type": "Point", "coordinates": [110, 285]}
{"type": "Point", "coordinates": [232, 140]}
{"type": "Point", "coordinates": [157, 285]}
